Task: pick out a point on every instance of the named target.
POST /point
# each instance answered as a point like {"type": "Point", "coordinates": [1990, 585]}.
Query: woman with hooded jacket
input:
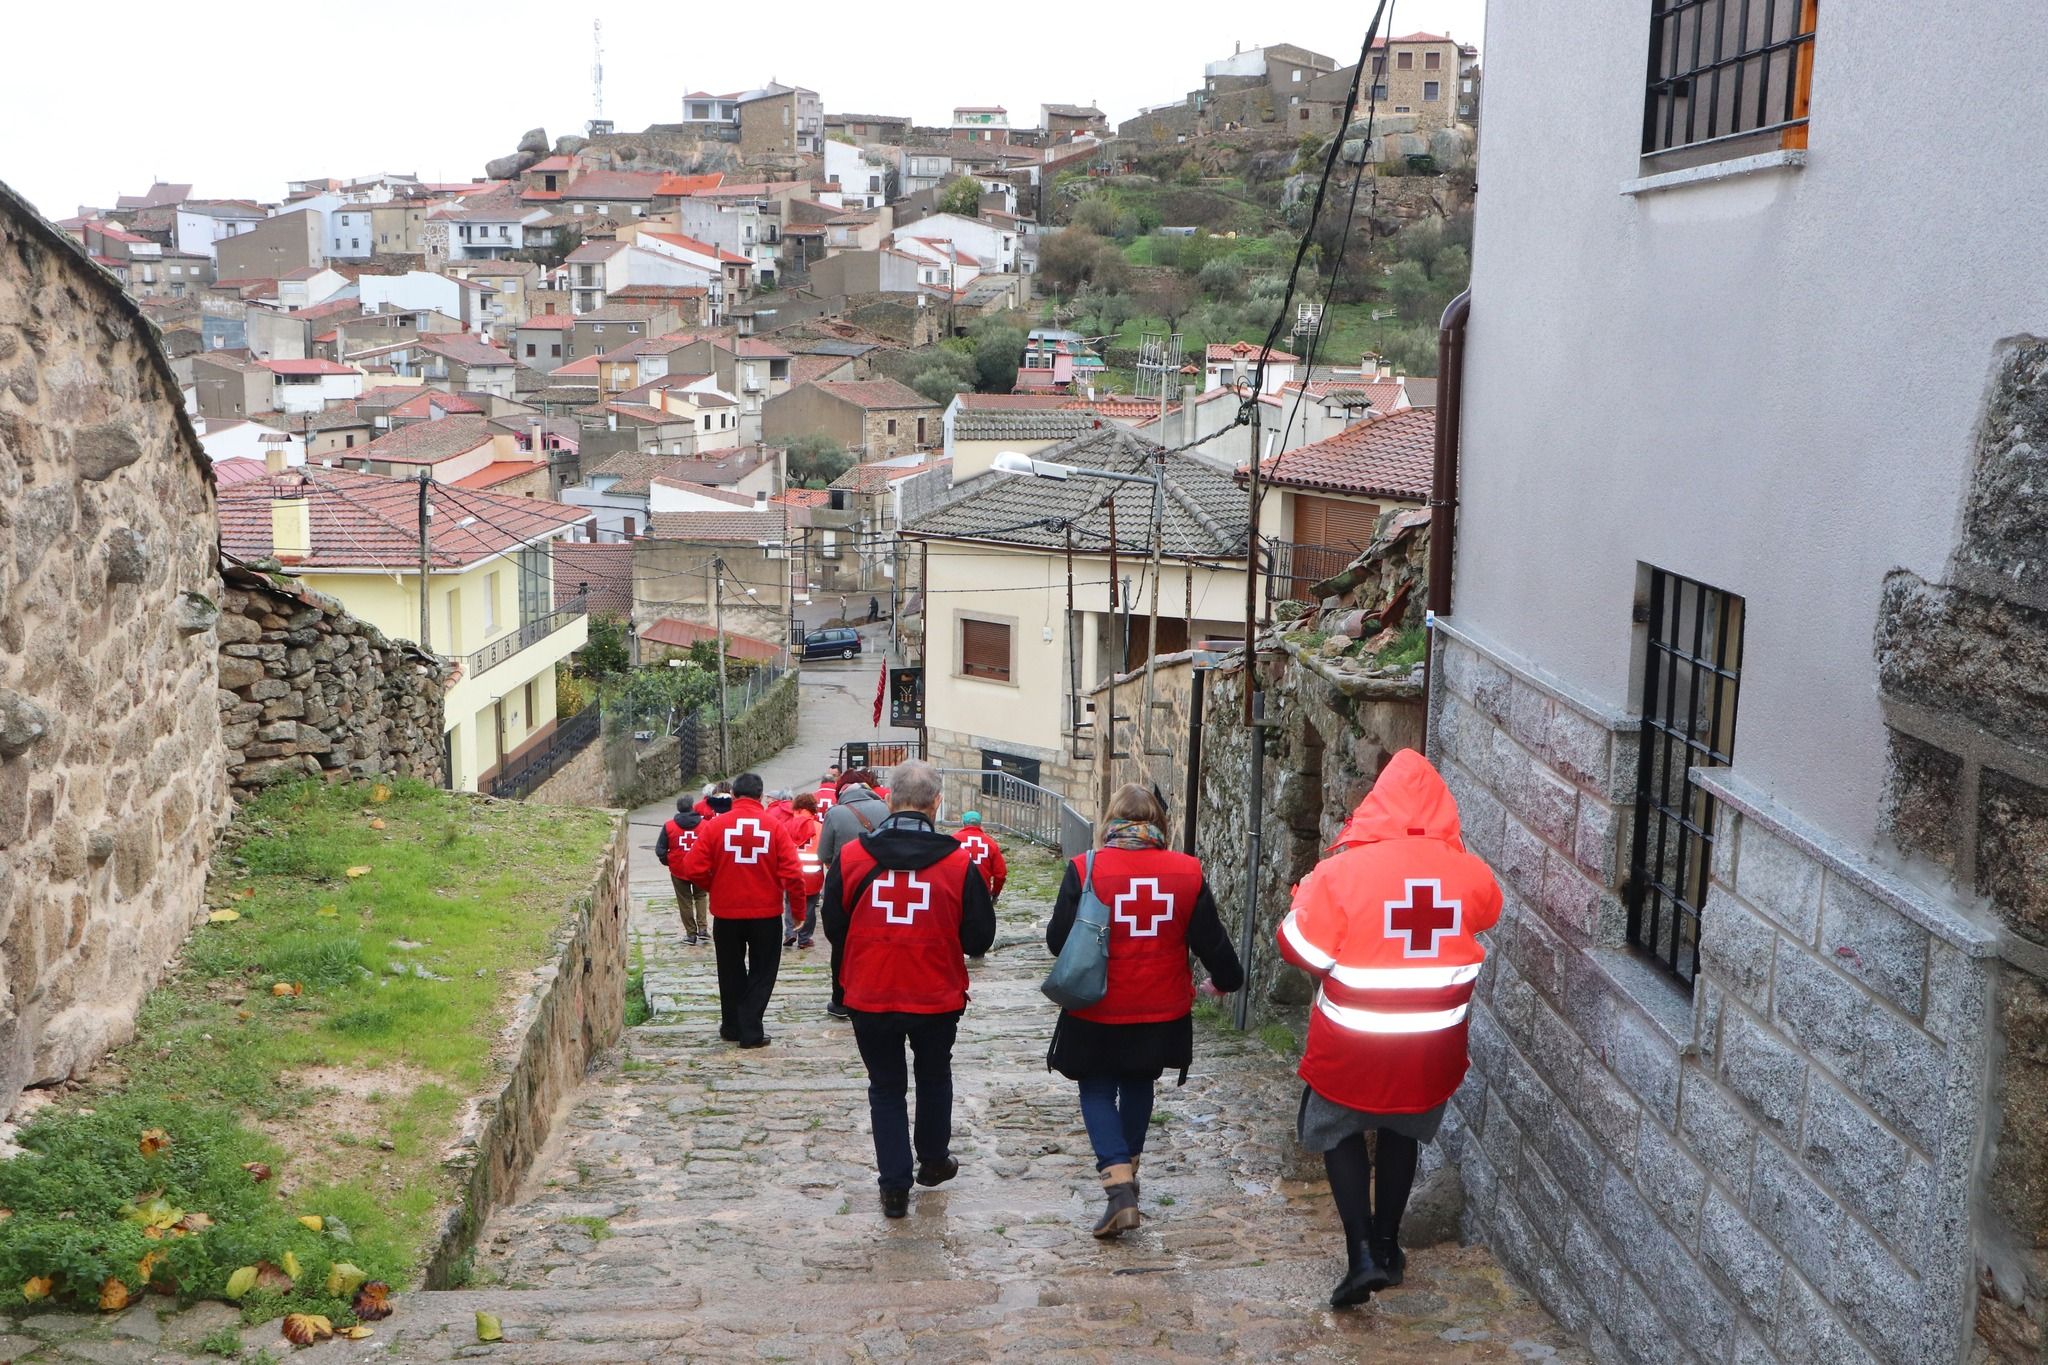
{"type": "Point", "coordinates": [1117, 1048]}
{"type": "Point", "coordinates": [1387, 925]}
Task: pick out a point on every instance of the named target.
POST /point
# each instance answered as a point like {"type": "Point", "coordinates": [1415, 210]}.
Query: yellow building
{"type": "Point", "coordinates": [1009, 663]}
{"type": "Point", "coordinates": [490, 589]}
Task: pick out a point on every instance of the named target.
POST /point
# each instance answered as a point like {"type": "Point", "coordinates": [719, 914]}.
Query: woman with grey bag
{"type": "Point", "coordinates": [1116, 1049]}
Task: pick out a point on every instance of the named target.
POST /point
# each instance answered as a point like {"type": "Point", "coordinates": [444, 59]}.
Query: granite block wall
{"type": "Point", "coordinates": [1776, 1164]}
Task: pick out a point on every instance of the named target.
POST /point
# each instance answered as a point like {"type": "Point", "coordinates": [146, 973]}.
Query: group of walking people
{"type": "Point", "coordinates": [1386, 924]}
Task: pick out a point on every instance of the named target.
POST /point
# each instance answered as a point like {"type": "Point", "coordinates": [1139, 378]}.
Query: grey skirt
{"type": "Point", "coordinates": [1323, 1123]}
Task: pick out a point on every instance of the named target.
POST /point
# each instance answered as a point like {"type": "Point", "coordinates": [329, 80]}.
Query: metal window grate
{"type": "Point", "coordinates": [1727, 69]}
{"type": "Point", "coordinates": [1690, 677]}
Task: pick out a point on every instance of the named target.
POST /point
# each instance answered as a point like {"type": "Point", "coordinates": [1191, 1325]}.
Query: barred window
{"type": "Point", "coordinates": [1721, 70]}
{"type": "Point", "coordinates": [1691, 672]}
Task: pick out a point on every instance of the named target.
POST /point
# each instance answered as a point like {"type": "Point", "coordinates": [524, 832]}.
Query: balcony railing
{"type": "Point", "coordinates": [522, 774]}
{"type": "Point", "coordinates": [1293, 570]}
{"type": "Point", "coordinates": [532, 633]}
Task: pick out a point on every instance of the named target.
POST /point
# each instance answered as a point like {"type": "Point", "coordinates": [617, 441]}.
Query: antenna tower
{"type": "Point", "coordinates": [1159, 362]}
{"type": "Point", "coordinates": [597, 70]}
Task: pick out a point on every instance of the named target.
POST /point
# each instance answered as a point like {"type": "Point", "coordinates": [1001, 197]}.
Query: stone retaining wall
{"type": "Point", "coordinates": [1775, 1165]}
{"type": "Point", "coordinates": [111, 790]}
{"type": "Point", "coordinates": [307, 690]}
{"type": "Point", "coordinates": [582, 781]}
{"type": "Point", "coordinates": [575, 1007]}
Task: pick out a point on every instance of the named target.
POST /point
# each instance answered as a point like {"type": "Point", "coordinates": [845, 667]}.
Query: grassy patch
{"type": "Point", "coordinates": [1407, 651]}
{"type": "Point", "coordinates": [637, 1009]}
{"type": "Point", "coordinates": [599, 1229]}
{"type": "Point", "coordinates": [347, 1085]}
{"type": "Point", "coordinates": [1279, 1038]}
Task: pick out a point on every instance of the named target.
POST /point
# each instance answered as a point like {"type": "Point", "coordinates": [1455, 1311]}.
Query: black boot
{"type": "Point", "coordinates": [1388, 1256]}
{"type": "Point", "coordinates": [1361, 1281]}
{"type": "Point", "coordinates": [895, 1203]}
{"type": "Point", "coordinates": [1120, 1213]}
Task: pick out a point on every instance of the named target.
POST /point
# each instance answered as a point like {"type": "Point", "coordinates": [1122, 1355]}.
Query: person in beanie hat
{"type": "Point", "coordinates": [677, 834]}
{"type": "Point", "coordinates": [987, 854]}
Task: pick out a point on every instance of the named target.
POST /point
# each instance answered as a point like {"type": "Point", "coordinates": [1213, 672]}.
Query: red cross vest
{"type": "Point", "coordinates": [1151, 895]}
{"type": "Point", "coordinates": [987, 855]}
{"type": "Point", "coordinates": [1388, 923]}
{"type": "Point", "coordinates": [902, 950]}
{"type": "Point", "coordinates": [679, 842]}
{"type": "Point", "coordinates": [828, 797]}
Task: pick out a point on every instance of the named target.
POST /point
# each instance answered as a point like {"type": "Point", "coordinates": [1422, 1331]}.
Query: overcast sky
{"type": "Point", "coordinates": [238, 96]}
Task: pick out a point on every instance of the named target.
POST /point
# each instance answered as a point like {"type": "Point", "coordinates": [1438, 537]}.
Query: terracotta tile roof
{"type": "Point", "coordinates": [499, 471]}
{"type": "Point", "coordinates": [237, 469]}
{"type": "Point", "coordinates": [688, 184]}
{"type": "Point", "coordinates": [552, 163]}
{"type": "Point", "coordinates": [549, 322]}
{"type": "Point", "coordinates": [329, 308]}
{"type": "Point", "coordinates": [601, 569]}
{"type": "Point", "coordinates": [1389, 457]}
{"type": "Point", "coordinates": [736, 527]}
{"type": "Point", "coordinates": [1219, 352]}
{"type": "Point", "coordinates": [369, 521]}
{"type": "Point", "coordinates": [705, 490]}
{"type": "Point", "coordinates": [463, 350]}
{"type": "Point", "coordinates": [576, 369]}
{"type": "Point", "coordinates": [422, 405]}
{"type": "Point", "coordinates": [635, 469]}
{"type": "Point", "coordinates": [873, 394]}
{"type": "Point", "coordinates": [991, 402]}
{"type": "Point", "coordinates": [1114, 406]}
{"type": "Point", "coordinates": [306, 367]}
{"type": "Point", "coordinates": [430, 442]}
{"type": "Point", "coordinates": [803, 497]}
{"type": "Point", "coordinates": [756, 348]}
{"type": "Point", "coordinates": [683, 634]}
{"type": "Point", "coordinates": [876, 478]}
{"type": "Point", "coordinates": [804, 369]}
{"type": "Point", "coordinates": [604, 248]}
{"type": "Point", "coordinates": [657, 293]}
{"type": "Point", "coordinates": [700, 248]}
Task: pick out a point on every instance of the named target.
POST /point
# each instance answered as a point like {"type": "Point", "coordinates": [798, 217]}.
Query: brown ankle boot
{"type": "Point", "coordinates": [1120, 1214]}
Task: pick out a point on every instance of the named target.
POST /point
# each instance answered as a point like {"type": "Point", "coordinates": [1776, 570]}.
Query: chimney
{"type": "Point", "coordinates": [760, 499]}
{"type": "Point", "coordinates": [291, 523]}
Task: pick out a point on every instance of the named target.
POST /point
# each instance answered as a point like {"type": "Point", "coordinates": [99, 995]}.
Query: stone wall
{"type": "Point", "coordinates": [584, 780]}
{"type": "Point", "coordinates": [629, 774]}
{"type": "Point", "coordinates": [1962, 667]}
{"type": "Point", "coordinates": [1333, 733]}
{"type": "Point", "coordinates": [575, 1007]}
{"type": "Point", "coordinates": [307, 690]}
{"type": "Point", "coordinates": [1775, 1165]}
{"type": "Point", "coordinates": [111, 790]}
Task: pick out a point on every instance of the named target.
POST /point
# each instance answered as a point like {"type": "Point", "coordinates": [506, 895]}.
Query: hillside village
{"type": "Point", "coordinates": [1221, 452]}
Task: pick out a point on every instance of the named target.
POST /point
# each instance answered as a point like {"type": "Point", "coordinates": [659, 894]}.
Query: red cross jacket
{"type": "Point", "coordinates": [680, 838]}
{"type": "Point", "coordinates": [920, 906]}
{"type": "Point", "coordinates": [1388, 924]}
{"type": "Point", "coordinates": [746, 861]}
{"type": "Point", "coordinates": [828, 796]}
{"type": "Point", "coordinates": [1151, 895]}
{"type": "Point", "coordinates": [987, 855]}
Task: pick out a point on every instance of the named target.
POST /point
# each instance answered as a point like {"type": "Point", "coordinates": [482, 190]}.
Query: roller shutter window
{"type": "Point", "coordinates": [984, 649]}
{"type": "Point", "coordinates": [1334, 522]}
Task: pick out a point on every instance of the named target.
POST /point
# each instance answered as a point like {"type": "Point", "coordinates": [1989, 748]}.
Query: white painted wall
{"type": "Point", "coordinates": [414, 289]}
{"type": "Point", "coordinates": [1785, 368]}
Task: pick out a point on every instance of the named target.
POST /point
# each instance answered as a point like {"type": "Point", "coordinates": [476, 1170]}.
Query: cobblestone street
{"type": "Point", "coordinates": [701, 1201]}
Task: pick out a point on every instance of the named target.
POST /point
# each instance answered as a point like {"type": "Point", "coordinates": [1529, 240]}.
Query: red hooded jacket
{"type": "Point", "coordinates": [1388, 924]}
{"type": "Point", "coordinates": [987, 854]}
{"type": "Point", "coordinates": [746, 861]}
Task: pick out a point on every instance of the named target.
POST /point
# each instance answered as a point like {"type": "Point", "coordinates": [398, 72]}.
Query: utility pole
{"type": "Point", "coordinates": [425, 564]}
{"type": "Point", "coordinates": [718, 615]}
{"type": "Point", "coordinates": [1254, 727]}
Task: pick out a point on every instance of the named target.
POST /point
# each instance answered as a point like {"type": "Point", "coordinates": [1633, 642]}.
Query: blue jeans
{"type": "Point", "coordinates": [1117, 1111]}
{"type": "Point", "coordinates": [881, 1039]}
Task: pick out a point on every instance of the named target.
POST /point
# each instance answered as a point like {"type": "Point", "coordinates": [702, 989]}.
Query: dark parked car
{"type": "Point", "coordinates": [838, 642]}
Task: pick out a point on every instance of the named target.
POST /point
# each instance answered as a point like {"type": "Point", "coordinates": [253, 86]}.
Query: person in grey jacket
{"type": "Point", "coordinates": [857, 811]}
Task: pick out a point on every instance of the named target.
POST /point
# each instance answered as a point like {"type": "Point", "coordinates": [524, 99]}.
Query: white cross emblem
{"type": "Point", "coordinates": [977, 848]}
{"type": "Point", "coordinates": [902, 908]}
{"type": "Point", "coordinates": [1424, 912]}
{"type": "Point", "coordinates": [1154, 896]}
{"type": "Point", "coordinates": [739, 841]}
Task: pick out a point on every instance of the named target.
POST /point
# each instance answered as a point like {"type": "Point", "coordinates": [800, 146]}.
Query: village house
{"type": "Point", "coordinates": [981, 123]}
{"type": "Point", "coordinates": [541, 343]}
{"type": "Point", "coordinates": [852, 545]}
{"type": "Point", "coordinates": [446, 449]}
{"type": "Point", "coordinates": [889, 128]}
{"type": "Point", "coordinates": [781, 120]}
{"type": "Point", "coordinates": [877, 418]}
{"type": "Point", "coordinates": [491, 603]}
{"type": "Point", "coordinates": [233, 384]}
{"type": "Point", "coordinates": [749, 556]}
{"type": "Point", "coordinates": [1730, 682]}
{"type": "Point", "coordinates": [615, 498]}
{"type": "Point", "coordinates": [1007, 673]}
{"type": "Point", "coordinates": [1325, 499]}
{"type": "Point", "coordinates": [271, 248]}
{"type": "Point", "coordinates": [308, 386]}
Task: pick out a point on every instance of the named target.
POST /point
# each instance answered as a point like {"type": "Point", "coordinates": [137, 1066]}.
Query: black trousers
{"type": "Point", "coordinates": [881, 1038]}
{"type": "Point", "coordinates": [749, 955]}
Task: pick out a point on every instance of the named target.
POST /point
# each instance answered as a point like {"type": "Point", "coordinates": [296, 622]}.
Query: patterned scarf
{"type": "Point", "coordinates": [1133, 834]}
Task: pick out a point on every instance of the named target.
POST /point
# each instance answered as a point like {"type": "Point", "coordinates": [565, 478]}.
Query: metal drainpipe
{"type": "Point", "coordinates": [1443, 483]}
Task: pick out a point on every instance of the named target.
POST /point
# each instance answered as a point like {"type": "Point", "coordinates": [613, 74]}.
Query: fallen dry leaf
{"type": "Point", "coordinates": [257, 1171]}
{"type": "Point", "coordinates": [359, 870]}
{"type": "Point", "coordinates": [378, 823]}
{"type": "Point", "coordinates": [194, 1222]}
{"type": "Point", "coordinates": [272, 1277]}
{"type": "Point", "coordinates": [380, 793]}
{"type": "Point", "coordinates": [245, 893]}
{"type": "Point", "coordinates": [311, 1220]}
{"type": "Point", "coordinates": [291, 1265]}
{"type": "Point", "coordinates": [223, 917]}
{"type": "Point", "coordinates": [240, 1283]}
{"type": "Point", "coordinates": [37, 1288]}
{"type": "Point", "coordinates": [154, 1140]}
{"type": "Point", "coordinates": [488, 1327]}
{"type": "Point", "coordinates": [244, 1015]}
{"type": "Point", "coordinates": [303, 1329]}
{"type": "Point", "coordinates": [373, 1301]}
{"type": "Point", "coordinates": [284, 988]}
{"type": "Point", "coordinates": [343, 1280]}
{"type": "Point", "coordinates": [356, 1333]}
{"type": "Point", "coordinates": [113, 1295]}
{"type": "Point", "coordinates": [327, 912]}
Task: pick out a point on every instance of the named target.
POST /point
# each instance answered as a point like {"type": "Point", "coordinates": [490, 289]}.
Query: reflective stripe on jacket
{"type": "Point", "coordinates": [1388, 923]}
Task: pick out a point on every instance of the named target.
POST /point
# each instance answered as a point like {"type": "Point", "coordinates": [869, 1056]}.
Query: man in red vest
{"type": "Point", "coordinates": [986, 852]}
{"type": "Point", "coordinates": [1388, 926]}
{"type": "Point", "coordinates": [904, 905]}
{"type": "Point", "coordinates": [828, 791]}
{"type": "Point", "coordinates": [749, 866]}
